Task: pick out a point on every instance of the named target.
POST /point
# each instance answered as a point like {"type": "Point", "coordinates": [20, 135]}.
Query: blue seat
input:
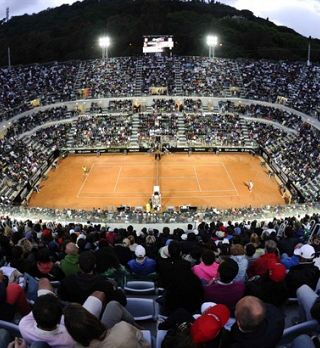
{"type": "Point", "coordinates": [31, 287]}
{"type": "Point", "coordinates": [140, 287]}
{"type": "Point", "coordinates": [161, 334]}
{"type": "Point", "coordinates": [12, 328]}
{"type": "Point", "coordinates": [290, 333]}
{"type": "Point", "coordinates": [147, 336]}
{"type": "Point", "coordinates": [142, 308]}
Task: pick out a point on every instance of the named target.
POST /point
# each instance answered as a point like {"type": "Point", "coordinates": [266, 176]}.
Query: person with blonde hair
{"type": "Point", "coordinates": [256, 241]}
{"type": "Point", "coordinates": [238, 255]}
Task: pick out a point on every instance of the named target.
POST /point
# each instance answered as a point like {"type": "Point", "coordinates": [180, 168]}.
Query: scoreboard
{"type": "Point", "coordinates": [157, 44]}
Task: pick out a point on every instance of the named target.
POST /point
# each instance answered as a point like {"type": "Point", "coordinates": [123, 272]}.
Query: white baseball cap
{"type": "Point", "coordinates": [306, 251]}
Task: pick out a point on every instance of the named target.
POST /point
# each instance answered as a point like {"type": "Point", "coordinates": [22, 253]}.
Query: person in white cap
{"type": "Point", "coordinates": [142, 265]}
{"type": "Point", "coordinates": [305, 272]}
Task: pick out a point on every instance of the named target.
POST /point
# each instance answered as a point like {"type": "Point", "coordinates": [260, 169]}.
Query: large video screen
{"type": "Point", "coordinates": [157, 44]}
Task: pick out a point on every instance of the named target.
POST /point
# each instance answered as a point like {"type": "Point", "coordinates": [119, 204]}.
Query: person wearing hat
{"type": "Point", "coordinates": [270, 287]}
{"type": "Point", "coordinates": [305, 272]}
{"type": "Point", "coordinates": [142, 265]}
{"type": "Point", "coordinates": [258, 325]}
{"type": "Point", "coordinates": [203, 332]}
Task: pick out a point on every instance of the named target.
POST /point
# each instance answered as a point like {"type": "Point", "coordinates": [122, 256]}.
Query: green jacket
{"type": "Point", "coordinates": [70, 264]}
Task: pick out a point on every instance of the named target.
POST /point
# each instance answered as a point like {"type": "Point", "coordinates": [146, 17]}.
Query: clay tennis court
{"type": "Point", "coordinates": [197, 180]}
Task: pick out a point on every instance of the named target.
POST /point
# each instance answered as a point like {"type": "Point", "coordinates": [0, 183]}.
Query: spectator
{"type": "Point", "coordinates": [45, 324]}
{"type": "Point", "coordinates": [262, 264]}
{"type": "Point", "coordinates": [257, 325]}
{"type": "Point", "coordinates": [270, 287]}
{"type": "Point", "coordinates": [225, 290]}
{"type": "Point", "coordinates": [142, 265]}
{"type": "Point", "coordinates": [70, 263]}
{"type": "Point", "coordinates": [78, 287]}
{"type": "Point", "coordinates": [88, 331]}
{"type": "Point", "coordinates": [207, 269]}
{"type": "Point", "coordinates": [44, 267]}
{"type": "Point", "coordinates": [12, 299]}
{"type": "Point", "coordinates": [238, 255]}
{"type": "Point", "coordinates": [305, 273]}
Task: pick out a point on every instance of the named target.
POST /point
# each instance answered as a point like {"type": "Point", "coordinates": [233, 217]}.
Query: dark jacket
{"type": "Point", "coordinates": [124, 254]}
{"type": "Point", "coordinates": [304, 273]}
{"type": "Point", "coordinates": [287, 245]}
{"type": "Point", "coordinates": [184, 291]}
{"type": "Point", "coordinates": [267, 335]}
{"type": "Point", "coordinates": [78, 287]}
{"type": "Point", "coordinates": [168, 268]}
{"type": "Point", "coordinates": [6, 310]}
{"type": "Point", "coordinates": [267, 290]}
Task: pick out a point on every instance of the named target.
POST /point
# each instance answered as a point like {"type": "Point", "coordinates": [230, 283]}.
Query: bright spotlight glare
{"type": "Point", "coordinates": [212, 40]}
{"type": "Point", "coordinates": [104, 41]}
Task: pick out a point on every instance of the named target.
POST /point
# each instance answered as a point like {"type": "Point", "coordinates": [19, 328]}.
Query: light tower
{"type": "Point", "coordinates": [104, 43]}
{"type": "Point", "coordinates": [212, 42]}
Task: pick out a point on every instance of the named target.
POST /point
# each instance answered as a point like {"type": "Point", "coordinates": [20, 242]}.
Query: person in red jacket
{"type": "Point", "coordinates": [262, 264]}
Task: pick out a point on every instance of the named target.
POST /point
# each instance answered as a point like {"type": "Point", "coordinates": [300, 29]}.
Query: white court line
{"type": "Point", "coordinates": [116, 184]}
{"type": "Point", "coordinates": [85, 180]}
{"type": "Point", "coordinates": [230, 178]}
{"type": "Point", "coordinates": [150, 164]}
{"type": "Point", "coordinates": [137, 177]}
{"type": "Point", "coordinates": [195, 172]}
{"type": "Point", "coordinates": [166, 191]}
{"type": "Point", "coordinates": [163, 196]}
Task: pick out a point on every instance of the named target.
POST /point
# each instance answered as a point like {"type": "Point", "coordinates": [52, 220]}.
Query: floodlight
{"type": "Point", "coordinates": [212, 42]}
{"type": "Point", "coordinates": [104, 43]}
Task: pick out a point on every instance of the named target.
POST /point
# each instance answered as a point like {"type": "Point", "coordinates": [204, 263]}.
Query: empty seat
{"type": "Point", "coordinates": [142, 308]}
{"type": "Point", "coordinates": [292, 332]}
{"type": "Point", "coordinates": [140, 287]}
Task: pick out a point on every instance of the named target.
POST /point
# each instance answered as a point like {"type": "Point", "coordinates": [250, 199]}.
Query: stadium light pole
{"type": "Point", "coordinates": [104, 43]}
{"type": "Point", "coordinates": [212, 42]}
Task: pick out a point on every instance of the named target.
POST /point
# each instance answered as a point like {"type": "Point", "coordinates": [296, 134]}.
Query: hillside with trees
{"type": "Point", "coordinates": [70, 32]}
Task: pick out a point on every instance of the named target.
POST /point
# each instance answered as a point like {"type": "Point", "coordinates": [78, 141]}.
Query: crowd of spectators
{"type": "Point", "coordinates": [21, 159]}
{"type": "Point", "coordinates": [51, 83]}
{"type": "Point", "coordinates": [10, 95]}
{"type": "Point", "coordinates": [214, 129]}
{"type": "Point", "coordinates": [115, 77]}
{"type": "Point", "coordinates": [108, 78]}
{"type": "Point", "coordinates": [298, 155]}
{"type": "Point", "coordinates": [266, 80]}
{"type": "Point", "coordinates": [242, 270]}
{"type": "Point", "coordinates": [101, 131]}
{"type": "Point", "coordinates": [206, 77]}
{"type": "Point", "coordinates": [152, 125]}
{"type": "Point", "coordinates": [158, 71]}
{"type": "Point", "coordinates": [285, 118]}
{"type": "Point", "coordinates": [29, 122]}
{"type": "Point", "coordinates": [120, 105]}
{"type": "Point", "coordinates": [307, 96]}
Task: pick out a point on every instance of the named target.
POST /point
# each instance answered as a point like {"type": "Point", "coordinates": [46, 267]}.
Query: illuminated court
{"type": "Point", "coordinates": [205, 180]}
